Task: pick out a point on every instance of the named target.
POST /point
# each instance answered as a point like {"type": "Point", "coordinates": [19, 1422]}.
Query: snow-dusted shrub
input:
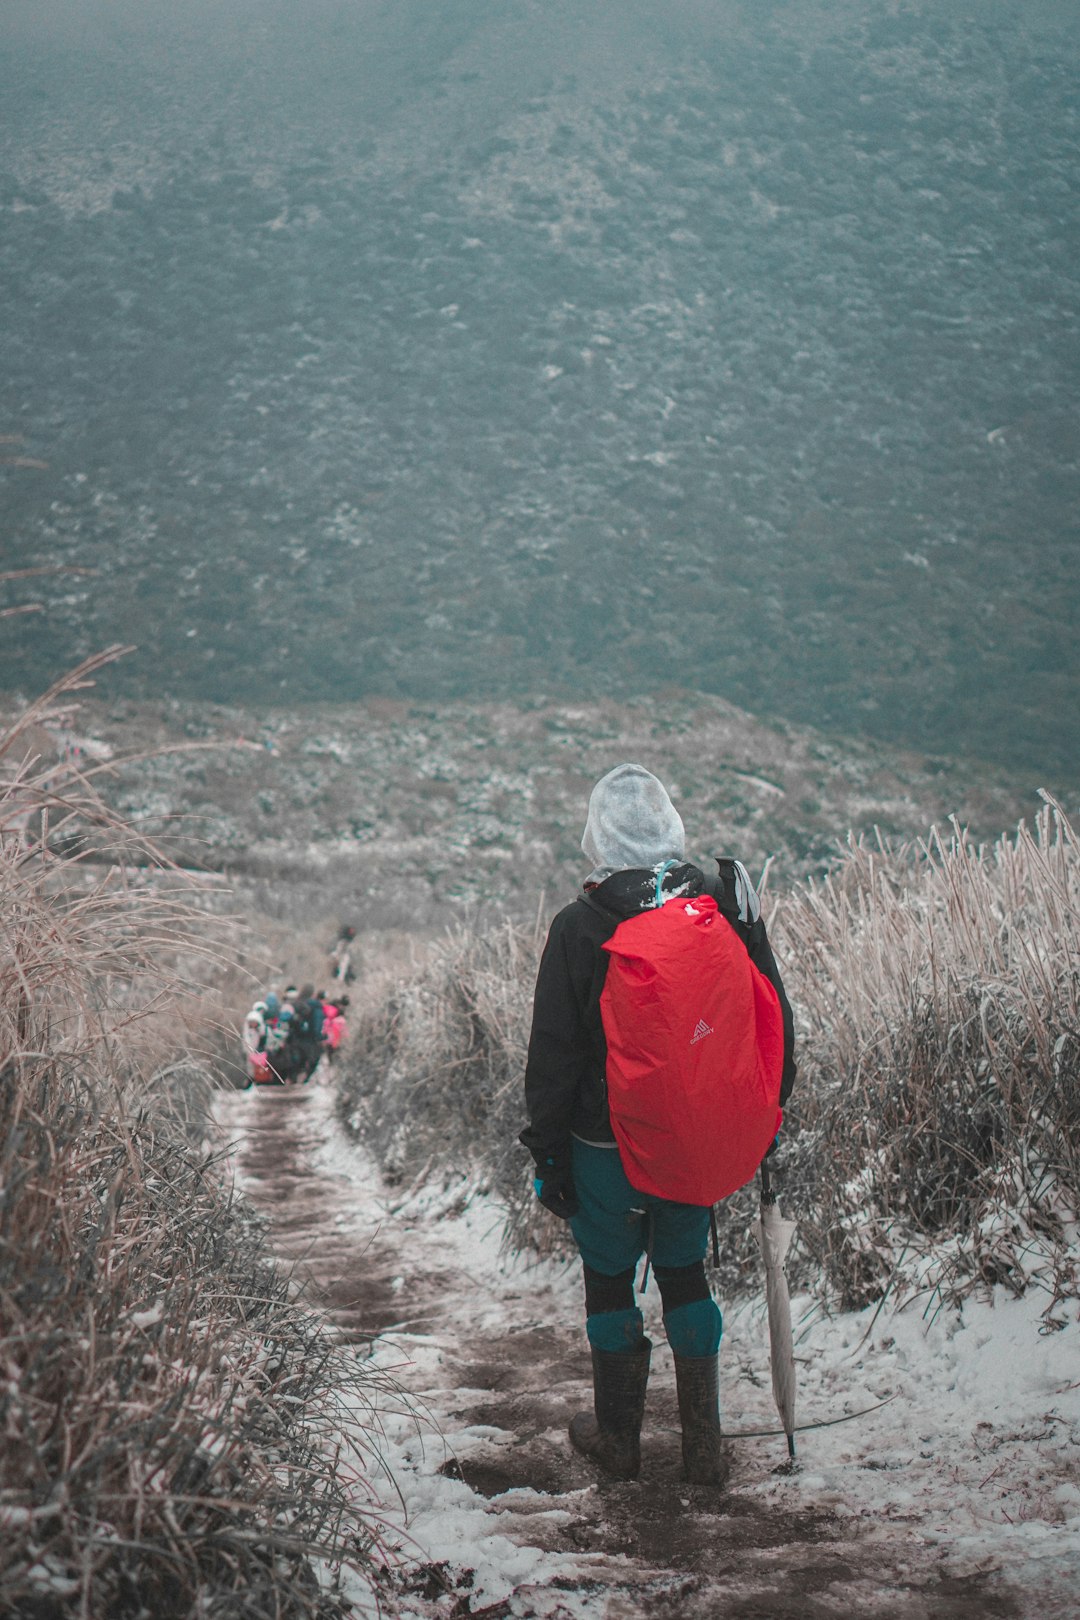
{"type": "Point", "coordinates": [432, 1074]}
{"type": "Point", "coordinates": [170, 1417]}
{"type": "Point", "coordinates": [937, 987]}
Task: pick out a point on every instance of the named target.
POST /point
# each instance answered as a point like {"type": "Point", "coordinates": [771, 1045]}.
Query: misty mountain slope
{"type": "Point", "coordinates": [394, 814]}
{"type": "Point", "coordinates": [452, 351]}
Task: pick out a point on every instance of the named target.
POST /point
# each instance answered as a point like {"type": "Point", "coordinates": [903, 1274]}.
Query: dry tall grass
{"type": "Point", "coordinates": [431, 1077]}
{"type": "Point", "coordinates": [938, 989]}
{"type": "Point", "coordinates": [933, 1141]}
{"type": "Point", "coordinates": [171, 1418]}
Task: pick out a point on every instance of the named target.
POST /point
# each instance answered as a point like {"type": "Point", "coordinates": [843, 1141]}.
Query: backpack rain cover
{"type": "Point", "coordinates": [695, 1041]}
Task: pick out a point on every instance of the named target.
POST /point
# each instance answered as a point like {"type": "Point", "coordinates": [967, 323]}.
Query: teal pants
{"type": "Point", "coordinates": [613, 1228]}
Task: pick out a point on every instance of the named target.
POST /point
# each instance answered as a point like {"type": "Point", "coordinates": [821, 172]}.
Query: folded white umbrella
{"type": "Point", "coordinates": [775, 1235]}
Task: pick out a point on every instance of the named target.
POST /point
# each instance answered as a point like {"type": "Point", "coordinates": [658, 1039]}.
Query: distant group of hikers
{"type": "Point", "coordinates": [285, 1037]}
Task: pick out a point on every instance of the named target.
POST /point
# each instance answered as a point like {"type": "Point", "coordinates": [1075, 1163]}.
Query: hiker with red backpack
{"type": "Point", "coordinates": [253, 1036]}
{"type": "Point", "coordinates": [660, 1055]}
{"type": "Point", "coordinates": [334, 1028]}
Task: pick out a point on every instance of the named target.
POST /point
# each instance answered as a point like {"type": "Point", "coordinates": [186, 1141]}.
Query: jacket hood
{"type": "Point", "coordinates": [632, 823]}
{"type": "Point", "coordinates": [628, 892]}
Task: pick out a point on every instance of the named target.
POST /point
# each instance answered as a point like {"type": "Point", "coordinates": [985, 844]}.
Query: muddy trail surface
{"type": "Point", "coordinates": [498, 1362]}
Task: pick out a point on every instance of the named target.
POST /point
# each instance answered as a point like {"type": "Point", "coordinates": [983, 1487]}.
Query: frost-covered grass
{"type": "Point", "coordinates": [394, 816]}
{"type": "Point", "coordinates": [938, 1110]}
{"type": "Point", "coordinates": [431, 1077]}
{"type": "Point", "coordinates": [933, 1140]}
{"type": "Point", "coordinates": [171, 1417]}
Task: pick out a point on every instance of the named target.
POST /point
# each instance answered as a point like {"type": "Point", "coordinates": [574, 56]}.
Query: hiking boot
{"type": "Point", "coordinates": [612, 1438]}
{"type": "Point", "coordinates": [705, 1456]}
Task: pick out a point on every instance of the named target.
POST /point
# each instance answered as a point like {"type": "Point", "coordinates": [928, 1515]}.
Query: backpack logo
{"type": "Point", "coordinates": [701, 1029]}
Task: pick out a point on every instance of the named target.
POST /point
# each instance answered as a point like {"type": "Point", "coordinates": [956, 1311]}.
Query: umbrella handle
{"type": "Point", "coordinates": [767, 1194]}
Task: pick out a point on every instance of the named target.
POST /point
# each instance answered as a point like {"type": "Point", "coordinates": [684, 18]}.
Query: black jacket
{"type": "Point", "coordinates": [565, 1087]}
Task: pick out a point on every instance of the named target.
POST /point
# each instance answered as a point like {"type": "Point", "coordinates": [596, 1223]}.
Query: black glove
{"type": "Point", "coordinates": [554, 1186]}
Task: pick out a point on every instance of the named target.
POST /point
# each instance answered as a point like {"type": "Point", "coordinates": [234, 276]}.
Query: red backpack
{"type": "Point", "coordinates": [695, 1042]}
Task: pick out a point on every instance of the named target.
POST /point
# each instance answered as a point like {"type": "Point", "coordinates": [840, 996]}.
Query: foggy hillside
{"type": "Point", "coordinates": [469, 349]}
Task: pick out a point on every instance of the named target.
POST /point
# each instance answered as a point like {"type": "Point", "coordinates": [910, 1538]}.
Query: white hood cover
{"type": "Point", "coordinates": [632, 823]}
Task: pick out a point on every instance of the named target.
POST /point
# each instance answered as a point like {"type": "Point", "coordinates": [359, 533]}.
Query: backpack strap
{"type": "Point", "coordinates": [738, 899]}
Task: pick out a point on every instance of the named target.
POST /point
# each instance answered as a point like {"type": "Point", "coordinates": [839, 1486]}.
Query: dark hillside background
{"type": "Point", "coordinates": [460, 349]}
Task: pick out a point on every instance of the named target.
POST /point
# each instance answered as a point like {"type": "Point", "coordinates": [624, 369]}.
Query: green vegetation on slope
{"type": "Point", "coordinates": [492, 349]}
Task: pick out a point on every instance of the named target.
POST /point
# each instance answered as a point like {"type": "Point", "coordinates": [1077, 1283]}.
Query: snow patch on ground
{"type": "Point", "coordinates": [977, 1453]}
{"type": "Point", "coordinates": [440, 1520]}
{"type": "Point", "coordinates": [970, 1468]}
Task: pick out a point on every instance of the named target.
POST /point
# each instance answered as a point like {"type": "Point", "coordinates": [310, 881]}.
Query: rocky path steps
{"type": "Point", "coordinates": [508, 1520]}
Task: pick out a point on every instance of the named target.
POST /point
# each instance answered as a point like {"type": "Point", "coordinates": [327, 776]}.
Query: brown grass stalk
{"type": "Point", "coordinates": [169, 1410]}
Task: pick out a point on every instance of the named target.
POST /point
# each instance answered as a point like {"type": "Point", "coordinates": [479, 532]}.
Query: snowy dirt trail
{"type": "Point", "coordinates": [500, 1518]}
